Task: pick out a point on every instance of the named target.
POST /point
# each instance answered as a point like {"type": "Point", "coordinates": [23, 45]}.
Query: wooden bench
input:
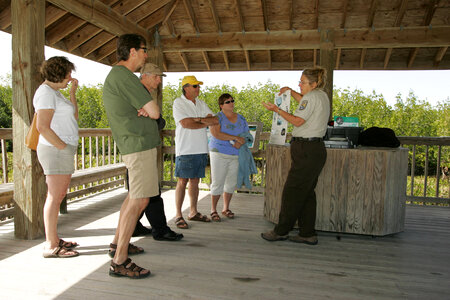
{"type": "Point", "coordinates": [85, 176]}
{"type": "Point", "coordinates": [79, 178]}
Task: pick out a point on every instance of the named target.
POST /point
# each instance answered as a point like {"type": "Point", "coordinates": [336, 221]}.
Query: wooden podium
{"type": "Point", "coordinates": [359, 191]}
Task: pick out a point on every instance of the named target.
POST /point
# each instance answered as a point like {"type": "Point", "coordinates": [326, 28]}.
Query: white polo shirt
{"type": "Point", "coordinates": [314, 108]}
{"type": "Point", "coordinates": [63, 122]}
{"type": "Point", "coordinates": [190, 141]}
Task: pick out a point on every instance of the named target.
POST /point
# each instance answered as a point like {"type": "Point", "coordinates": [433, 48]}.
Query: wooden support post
{"type": "Point", "coordinates": [155, 55]}
{"type": "Point", "coordinates": [28, 20]}
{"type": "Point", "coordinates": [327, 61]}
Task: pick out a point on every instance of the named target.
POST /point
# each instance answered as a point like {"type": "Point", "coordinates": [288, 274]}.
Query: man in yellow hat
{"type": "Point", "coordinates": [191, 116]}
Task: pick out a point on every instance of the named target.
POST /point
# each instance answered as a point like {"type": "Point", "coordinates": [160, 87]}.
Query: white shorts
{"type": "Point", "coordinates": [224, 172]}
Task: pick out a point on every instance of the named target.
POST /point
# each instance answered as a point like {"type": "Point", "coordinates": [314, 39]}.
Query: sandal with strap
{"type": "Point", "coordinates": [132, 249]}
{"type": "Point", "coordinates": [127, 269]}
{"type": "Point", "coordinates": [60, 252]}
{"type": "Point", "coordinates": [68, 245]}
{"type": "Point", "coordinates": [199, 217]}
{"type": "Point", "coordinates": [215, 217]}
{"type": "Point", "coordinates": [228, 213]}
{"type": "Point", "coordinates": [181, 223]}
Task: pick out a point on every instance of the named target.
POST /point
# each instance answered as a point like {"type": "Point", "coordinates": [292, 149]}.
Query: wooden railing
{"type": "Point", "coordinates": [97, 148]}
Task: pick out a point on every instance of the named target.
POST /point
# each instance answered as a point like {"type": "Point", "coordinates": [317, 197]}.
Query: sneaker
{"type": "Point", "coordinates": [271, 236]}
{"type": "Point", "coordinates": [312, 240]}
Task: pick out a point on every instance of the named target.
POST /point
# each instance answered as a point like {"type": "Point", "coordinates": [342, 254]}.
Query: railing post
{"type": "Point", "coordinates": [4, 162]}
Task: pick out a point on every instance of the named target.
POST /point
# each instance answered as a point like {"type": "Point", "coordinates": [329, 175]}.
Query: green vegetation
{"type": "Point", "coordinates": [409, 116]}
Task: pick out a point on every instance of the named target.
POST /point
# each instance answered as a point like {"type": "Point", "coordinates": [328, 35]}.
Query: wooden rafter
{"type": "Point", "coordinates": [247, 59]}
{"type": "Point", "coordinates": [165, 65]}
{"type": "Point", "coordinates": [338, 58]}
{"type": "Point", "coordinates": [362, 58]}
{"type": "Point", "coordinates": [439, 55]}
{"type": "Point", "coordinates": [371, 15]}
{"type": "Point", "coordinates": [239, 13]}
{"type": "Point", "coordinates": [412, 57]}
{"type": "Point", "coordinates": [291, 56]}
{"type": "Point", "coordinates": [68, 25]}
{"type": "Point", "coordinates": [438, 36]}
{"type": "Point", "coordinates": [269, 59]}
{"type": "Point", "coordinates": [431, 9]}
{"type": "Point", "coordinates": [344, 13]}
{"type": "Point", "coordinates": [215, 15]}
{"type": "Point", "coordinates": [191, 15]}
{"type": "Point", "coordinates": [225, 59]}
{"type": "Point", "coordinates": [316, 14]}
{"type": "Point", "coordinates": [291, 14]}
{"type": "Point", "coordinates": [401, 13]}
{"type": "Point", "coordinates": [206, 59]}
{"type": "Point", "coordinates": [265, 15]}
{"type": "Point", "coordinates": [5, 18]}
{"type": "Point", "coordinates": [170, 9]}
{"type": "Point", "coordinates": [171, 28]}
{"type": "Point", "coordinates": [184, 60]}
{"type": "Point", "coordinates": [101, 15]}
{"type": "Point", "coordinates": [96, 42]}
{"type": "Point", "coordinates": [53, 14]}
{"type": "Point", "coordinates": [387, 57]}
{"type": "Point", "coordinates": [315, 58]}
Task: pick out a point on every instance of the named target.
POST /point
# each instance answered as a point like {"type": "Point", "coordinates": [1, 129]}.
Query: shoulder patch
{"type": "Point", "coordinates": [303, 104]}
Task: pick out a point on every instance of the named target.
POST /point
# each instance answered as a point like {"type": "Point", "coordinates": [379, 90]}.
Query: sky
{"type": "Point", "coordinates": [432, 86]}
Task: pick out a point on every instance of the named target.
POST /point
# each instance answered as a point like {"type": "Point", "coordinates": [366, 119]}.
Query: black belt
{"type": "Point", "coordinates": [311, 139]}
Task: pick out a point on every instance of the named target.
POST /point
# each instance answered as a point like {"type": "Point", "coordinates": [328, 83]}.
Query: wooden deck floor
{"type": "Point", "coordinates": [229, 260]}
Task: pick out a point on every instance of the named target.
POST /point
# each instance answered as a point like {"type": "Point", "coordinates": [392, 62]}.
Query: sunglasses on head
{"type": "Point", "coordinates": [229, 101]}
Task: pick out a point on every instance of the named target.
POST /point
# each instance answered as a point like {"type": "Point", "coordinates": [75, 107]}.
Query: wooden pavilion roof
{"type": "Point", "coordinates": [221, 35]}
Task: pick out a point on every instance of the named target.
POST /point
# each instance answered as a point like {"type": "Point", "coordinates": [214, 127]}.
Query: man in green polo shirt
{"type": "Point", "coordinates": [137, 137]}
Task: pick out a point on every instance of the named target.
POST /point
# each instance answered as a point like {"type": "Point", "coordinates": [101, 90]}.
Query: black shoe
{"type": "Point", "coordinates": [169, 236]}
{"type": "Point", "coordinates": [142, 231]}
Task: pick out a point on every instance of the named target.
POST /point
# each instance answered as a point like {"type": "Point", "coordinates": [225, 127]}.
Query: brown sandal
{"type": "Point", "coordinates": [132, 249]}
{"type": "Point", "coordinates": [127, 269]}
{"type": "Point", "coordinates": [68, 245]}
{"type": "Point", "coordinates": [228, 213]}
{"type": "Point", "coordinates": [181, 223]}
{"type": "Point", "coordinates": [60, 252]}
{"type": "Point", "coordinates": [199, 217]}
{"type": "Point", "coordinates": [215, 217]}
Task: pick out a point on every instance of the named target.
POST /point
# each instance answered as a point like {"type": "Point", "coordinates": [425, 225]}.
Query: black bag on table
{"type": "Point", "coordinates": [378, 137]}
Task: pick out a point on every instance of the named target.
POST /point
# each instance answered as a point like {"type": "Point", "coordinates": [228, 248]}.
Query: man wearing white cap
{"type": "Point", "coordinates": [191, 116]}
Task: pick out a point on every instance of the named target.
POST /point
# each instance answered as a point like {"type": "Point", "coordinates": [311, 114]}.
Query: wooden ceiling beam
{"type": "Point", "coordinates": [372, 11]}
{"type": "Point", "coordinates": [225, 59]}
{"type": "Point", "coordinates": [269, 59]}
{"type": "Point", "coordinates": [291, 56]}
{"type": "Point", "coordinates": [53, 14]}
{"type": "Point", "coordinates": [387, 57]}
{"type": "Point", "coordinates": [439, 55]}
{"type": "Point", "coordinates": [68, 25]}
{"type": "Point", "coordinates": [247, 59]}
{"type": "Point", "coordinates": [401, 13]}
{"type": "Point", "coordinates": [338, 58]}
{"type": "Point", "coordinates": [291, 14]}
{"type": "Point", "coordinates": [265, 15]}
{"type": "Point", "coordinates": [215, 16]}
{"type": "Point", "coordinates": [206, 59]}
{"type": "Point", "coordinates": [239, 13]}
{"type": "Point", "coordinates": [344, 13]}
{"type": "Point", "coordinates": [191, 15]}
{"type": "Point", "coordinates": [437, 36]}
{"type": "Point", "coordinates": [362, 58]}
{"type": "Point", "coordinates": [96, 42]}
{"type": "Point", "coordinates": [412, 57]}
{"type": "Point", "coordinates": [316, 13]}
{"type": "Point", "coordinates": [165, 65]}
{"type": "Point", "coordinates": [184, 60]}
{"type": "Point", "coordinates": [5, 18]}
{"type": "Point", "coordinates": [101, 15]}
{"type": "Point", "coordinates": [170, 9]}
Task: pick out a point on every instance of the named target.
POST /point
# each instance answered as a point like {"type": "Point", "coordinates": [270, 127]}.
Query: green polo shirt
{"type": "Point", "coordinates": [123, 96]}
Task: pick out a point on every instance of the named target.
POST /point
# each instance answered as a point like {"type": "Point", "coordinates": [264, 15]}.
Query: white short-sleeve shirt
{"type": "Point", "coordinates": [190, 141]}
{"type": "Point", "coordinates": [63, 122]}
{"type": "Point", "coordinates": [314, 108]}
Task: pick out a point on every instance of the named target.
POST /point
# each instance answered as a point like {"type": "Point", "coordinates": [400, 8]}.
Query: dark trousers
{"type": "Point", "coordinates": [299, 199]}
{"type": "Point", "coordinates": [156, 216]}
{"type": "Point", "coordinates": [154, 212]}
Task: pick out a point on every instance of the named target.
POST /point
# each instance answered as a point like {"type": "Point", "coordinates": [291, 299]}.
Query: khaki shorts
{"type": "Point", "coordinates": [142, 174]}
{"type": "Point", "coordinates": [55, 161]}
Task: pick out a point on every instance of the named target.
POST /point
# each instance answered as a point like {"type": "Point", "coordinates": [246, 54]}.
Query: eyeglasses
{"type": "Point", "coordinates": [195, 86]}
{"type": "Point", "coordinates": [229, 101]}
{"type": "Point", "coordinates": [303, 82]}
{"type": "Point", "coordinates": [143, 48]}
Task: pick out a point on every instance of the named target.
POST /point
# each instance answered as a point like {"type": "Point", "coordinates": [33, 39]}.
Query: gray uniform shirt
{"type": "Point", "coordinates": [314, 108]}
